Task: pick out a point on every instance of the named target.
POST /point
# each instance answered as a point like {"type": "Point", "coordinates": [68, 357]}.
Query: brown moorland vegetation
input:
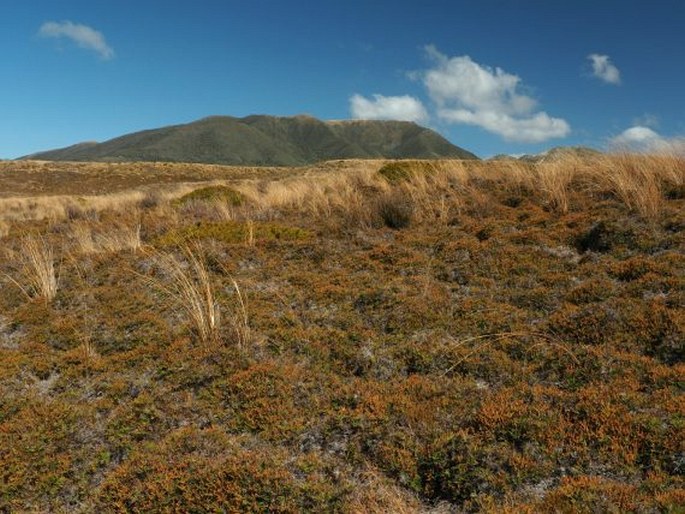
{"type": "Point", "coordinates": [367, 336]}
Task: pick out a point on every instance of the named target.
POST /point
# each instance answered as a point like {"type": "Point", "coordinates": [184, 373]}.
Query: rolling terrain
{"type": "Point", "coordinates": [353, 336]}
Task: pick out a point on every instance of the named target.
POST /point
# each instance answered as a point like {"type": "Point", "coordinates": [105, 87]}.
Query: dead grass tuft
{"type": "Point", "coordinates": [117, 237]}
{"type": "Point", "coordinates": [554, 180]}
{"type": "Point", "coordinates": [189, 286]}
{"type": "Point", "coordinates": [37, 267]}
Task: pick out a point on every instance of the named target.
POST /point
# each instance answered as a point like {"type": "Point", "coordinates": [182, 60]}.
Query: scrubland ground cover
{"type": "Point", "coordinates": [364, 337]}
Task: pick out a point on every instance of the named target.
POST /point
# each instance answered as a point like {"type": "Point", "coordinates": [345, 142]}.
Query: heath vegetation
{"type": "Point", "coordinates": [357, 336]}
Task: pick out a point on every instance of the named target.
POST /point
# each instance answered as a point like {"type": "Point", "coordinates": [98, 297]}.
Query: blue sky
{"type": "Point", "coordinates": [493, 76]}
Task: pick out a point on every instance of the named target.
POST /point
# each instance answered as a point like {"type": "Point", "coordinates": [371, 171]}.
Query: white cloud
{"type": "Point", "coordinates": [644, 139]}
{"type": "Point", "coordinates": [83, 35]}
{"type": "Point", "coordinates": [467, 92]}
{"type": "Point", "coordinates": [405, 108]}
{"type": "Point", "coordinates": [536, 128]}
{"type": "Point", "coordinates": [603, 69]}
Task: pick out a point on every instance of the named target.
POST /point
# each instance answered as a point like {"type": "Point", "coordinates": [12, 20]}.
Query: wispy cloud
{"type": "Point", "coordinates": [465, 91]}
{"type": "Point", "coordinates": [647, 120]}
{"type": "Point", "coordinates": [603, 69]}
{"type": "Point", "coordinates": [83, 35]}
{"type": "Point", "coordinates": [405, 108]}
{"type": "Point", "coordinates": [644, 139]}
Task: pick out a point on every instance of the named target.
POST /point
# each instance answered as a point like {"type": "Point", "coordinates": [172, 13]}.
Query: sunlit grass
{"type": "Point", "coordinates": [39, 277]}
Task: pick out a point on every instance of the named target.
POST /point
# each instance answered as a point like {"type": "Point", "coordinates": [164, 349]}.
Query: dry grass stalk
{"type": "Point", "coordinates": [636, 180]}
{"type": "Point", "coordinates": [89, 354]}
{"type": "Point", "coordinates": [82, 234]}
{"type": "Point", "coordinates": [38, 269]}
{"type": "Point", "coordinates": [4, 229]}
{"type": "Point", "coordinates": [376, 494]}
{"type": "Point", "coordinates": [434, 195]}
{"type": "Point", "coordinates": [485, 340]}
{"type": "Point", "coordinates": [249, 235]}
{"type": "Point", "coordinates": [554, 179]}
{"type": "Point", "coordinates": [115, 238]}
{"type": "Point", "coordinates": [519, 176]}
{"type": "Point", "coordinates": [190, 287]}
{"type": "Point", "coordinates": [123, 237]}
{"type": "Point", "coordinates": [239, 319]}
{"type": "Point", "coordinates": [672, 168]}
{"type": "Point", "coordinates": [224, 211]}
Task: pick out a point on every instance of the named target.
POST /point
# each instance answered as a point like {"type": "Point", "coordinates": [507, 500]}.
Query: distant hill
{"type": "Point", "coordinates": [553, 154]}
{"type": "Point", "coordinates": [266, 141]}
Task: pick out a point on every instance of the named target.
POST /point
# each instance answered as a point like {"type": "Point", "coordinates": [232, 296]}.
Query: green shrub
{"type": "Point", "coordinates": [397, 172]}
{"type": "Point", "coordinates": [213, 193]}
{"type": "Point", "coordinates": [603, 236]}
{"type": "Point", "coordinates": [458, 468]}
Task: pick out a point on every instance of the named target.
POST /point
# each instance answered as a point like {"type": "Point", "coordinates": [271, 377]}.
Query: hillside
{"type": "Point", "coordinates": [266, 141]}
{"type": "Point", "coordinates": [356, 337]}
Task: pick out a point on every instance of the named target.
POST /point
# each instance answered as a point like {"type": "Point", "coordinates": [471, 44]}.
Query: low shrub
{"type": "Point", "coordinates": [395, 210]}
{"type": "Point", "coordinates": [212, 194]}
{"type": "Point", "coordinates": [397, 172]}
{"type": "Point", "coordinates": [234, 232]}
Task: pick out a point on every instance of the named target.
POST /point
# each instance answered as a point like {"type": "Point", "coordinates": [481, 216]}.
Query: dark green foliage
{"type": "Point", "coordinates": [452, 470]}
{"type": "Point", "coordinates": [396, 172]}
{"type": "Point", "coordinates": [605, 236]}
{"type": "Point", "coordinates": [267, 140]}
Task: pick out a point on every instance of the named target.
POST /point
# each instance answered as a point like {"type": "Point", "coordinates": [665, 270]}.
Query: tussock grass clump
{"type": "Point", "coordinates": [641, 181]}
{"type": "Point", "coordinates": [395, 210]}
{"type": "Point", "coordinates": [121, 236]}
{"type": "Point", "coordinates": [150, 200]}
{"type": "Point", "coordinates": [554, 179]}
{"type": "Point", "coordinates": [37, 267]}
{"type": "Point", "coordinates": [190, 287]}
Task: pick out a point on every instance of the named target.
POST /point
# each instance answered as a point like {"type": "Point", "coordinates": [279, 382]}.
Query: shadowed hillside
{"type": "Point", "coordinates": [267, 141]}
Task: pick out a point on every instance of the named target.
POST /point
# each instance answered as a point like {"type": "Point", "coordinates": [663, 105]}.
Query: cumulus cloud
{"type": "Point", "coordinates": [83, 35]}
{"type": "Point", "coordinates": [468, 92]}
{"type": "Point", "coordinates": [531, 129]}
{"type": "Point", "coordinates": [644, 139]}
{"type": "Point", "coordinates": [404, 108]}
{"type": "Point", "coordinates": [603, 69]}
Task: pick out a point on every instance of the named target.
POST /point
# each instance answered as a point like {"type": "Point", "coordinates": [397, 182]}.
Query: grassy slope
{"type": "Point", "coordinates": [514, 344]}
{"type": "Point", "coordinates": [267, 141]}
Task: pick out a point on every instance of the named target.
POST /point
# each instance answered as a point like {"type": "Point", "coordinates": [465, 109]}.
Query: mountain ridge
{"type": "Point", "coordinates": [265, 140]}
{"type": "Point", "coordinates": [552, 154]}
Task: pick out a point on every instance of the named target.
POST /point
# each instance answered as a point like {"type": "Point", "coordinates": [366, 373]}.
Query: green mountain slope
{"type": "Point", "coordinates": [266, 140]}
